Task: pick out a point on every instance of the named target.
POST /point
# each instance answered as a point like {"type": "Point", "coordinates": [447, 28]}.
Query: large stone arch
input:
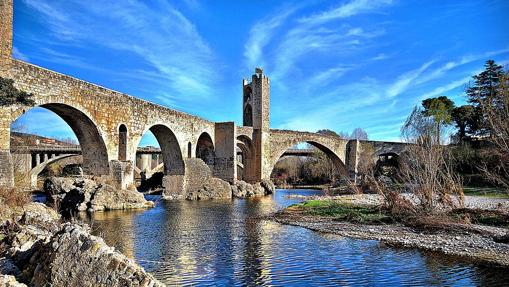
{"type": "Point", "coordinates": [205, 149]}
{"type": "Point", "coordinates": [334, 148]}
{"type": "Point", "coordinates": [170, 148]}
{"type": "Point", "coordinates": [88, 133]}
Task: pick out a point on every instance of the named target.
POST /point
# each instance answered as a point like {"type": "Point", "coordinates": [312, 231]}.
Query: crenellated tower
{"type": "Point", "coordinates": [256, 114]}
{"type": "Point", "coordinates": [256, 101]}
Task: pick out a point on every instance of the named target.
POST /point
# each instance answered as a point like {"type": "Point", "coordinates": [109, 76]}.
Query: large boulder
{"type": "Point", "coordinates": [197, 183]}
{"type": "Point", "coordinates": [242, 189]}
{"type": "Point", "coordinates": [214, 188]}
{"type": "Point", "coordinates": [68, 193]}
{"type": "Point", "coordinates": [37, 250]}
{"type": "Point", "coordinates": [73, 257]}
{"type": "Point", "coordinates": [72, 195]}
{"type": "Point", "coordinates": [108, 198]}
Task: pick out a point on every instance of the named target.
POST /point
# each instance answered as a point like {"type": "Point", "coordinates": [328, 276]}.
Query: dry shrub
{"type": "Point", "coordinates": [13, 197]}
{"type": "Point", "coordinates": [12, 201]}
{"type": "Point", "coordinates": [393, 202]}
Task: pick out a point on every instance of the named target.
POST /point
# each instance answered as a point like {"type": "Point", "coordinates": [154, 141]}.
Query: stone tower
{"type": "Point", "coordinates": [6, 12]}
{"type": "Point", "coordinates": [256, 101]}
{"type": "Point", "coordinates": [256, 114]}
{"type": "Point", "coordinates": [6, 168]}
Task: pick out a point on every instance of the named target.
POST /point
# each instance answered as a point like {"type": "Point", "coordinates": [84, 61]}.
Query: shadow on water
{"type": "Point", "coordinates": [225, 243]}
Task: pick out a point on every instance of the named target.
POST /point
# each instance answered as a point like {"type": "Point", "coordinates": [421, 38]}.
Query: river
{"type": "Point", "coordinates": [225, 243]}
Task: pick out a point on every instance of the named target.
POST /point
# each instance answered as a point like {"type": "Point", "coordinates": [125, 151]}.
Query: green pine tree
{"type": "Point", "coordinates": [484, 88]}
{"type": "Point", "coordinates": [10, 95]}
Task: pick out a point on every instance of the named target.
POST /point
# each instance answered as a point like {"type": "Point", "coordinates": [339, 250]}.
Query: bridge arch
{"type": "Point", "coordinates": [247, 168]}
{"type": "Point", "coordinates": [170, 149]}
{"type": "Point", "coordinates": [329, 149]}
{"type": "Point", "coordinates": [205, 149]}
{"type": "Point", "coordinates": [88, 133]}
{"type": "Point", "coordinates": [34, 173]}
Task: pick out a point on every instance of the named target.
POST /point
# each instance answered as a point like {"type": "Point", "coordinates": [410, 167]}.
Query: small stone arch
{"type": "Point", "coordinates": [248, 155]}
{"type": "Point", "coordinates": [122, 142]}
{"type": "Point", "coordinates": [205, 149]}
{"type": "Point", "coordinates": [189, 150]}
{"type": "Point", "coordinates": [34, 173]}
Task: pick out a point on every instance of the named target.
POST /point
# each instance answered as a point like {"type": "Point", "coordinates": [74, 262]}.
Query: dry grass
{"type": "Point", "coordinates": [12, 201]}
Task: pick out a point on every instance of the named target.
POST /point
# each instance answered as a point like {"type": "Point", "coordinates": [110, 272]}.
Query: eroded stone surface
{"type": "Point", "coordinates": [38, 250]}
{"type": "Point", "coordinates": [73, 257]}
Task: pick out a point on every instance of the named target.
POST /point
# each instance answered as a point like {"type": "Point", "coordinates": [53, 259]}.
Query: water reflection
{"type": "Point", "coordinates": [226, 243]}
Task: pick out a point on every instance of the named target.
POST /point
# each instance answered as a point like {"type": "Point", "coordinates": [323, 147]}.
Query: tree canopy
{"type": "Point", "coordinates": [10, 95]}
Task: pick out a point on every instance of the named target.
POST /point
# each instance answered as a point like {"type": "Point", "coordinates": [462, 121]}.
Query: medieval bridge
{"type": "Point", "coordinates": [109, 126]}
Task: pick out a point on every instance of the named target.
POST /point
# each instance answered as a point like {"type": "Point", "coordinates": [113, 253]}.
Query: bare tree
{"type": "Point", "coordinates": [359, 134]}
{"type": "Point", "coordinates": [427, 165]}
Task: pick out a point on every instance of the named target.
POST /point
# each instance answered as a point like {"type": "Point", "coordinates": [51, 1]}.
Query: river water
{"type": "Point", "coordinates": [224, 243]}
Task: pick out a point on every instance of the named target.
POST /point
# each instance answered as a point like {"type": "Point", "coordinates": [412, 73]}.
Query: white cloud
{"type": "Point", "coordinates": [261, 33]}
{"type": "Point", "coordinates": [445, 88]}
{"type": "Point", "coordinates": [405, 80]}
{"type": "Point", "coordinates": [380, 56]}
{"type": "Point", "coordinates": [462, 61]}
{"type": "Point", "coordinates": [349, 9]}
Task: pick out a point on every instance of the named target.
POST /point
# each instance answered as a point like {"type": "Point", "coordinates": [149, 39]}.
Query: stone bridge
{"type": "Point", "coordinates": [109, 126]}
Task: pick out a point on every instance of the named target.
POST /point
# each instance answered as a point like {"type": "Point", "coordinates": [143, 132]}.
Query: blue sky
{"type": "Point", "coordinates": [333, 64]}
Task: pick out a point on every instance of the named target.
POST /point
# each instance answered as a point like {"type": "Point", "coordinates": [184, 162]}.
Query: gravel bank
{"type": "Point", "coordinates": [473, 202]}
{"type": "Point", "coordinates": [470, 241]}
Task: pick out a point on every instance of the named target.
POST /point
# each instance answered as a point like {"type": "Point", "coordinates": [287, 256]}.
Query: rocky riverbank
{"type": "Point", "coordinates": [484, 244]}
{"type": "Point", "coordinates": [37, 249]}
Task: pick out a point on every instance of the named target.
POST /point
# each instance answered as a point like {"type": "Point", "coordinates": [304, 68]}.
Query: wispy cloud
{"type": "Point", "coordinates": [440, 71]}
{"type": "Point", "coordinates": [308, 34]}
{"type": "Point", "coordinates": [405, 80]}
{"type": "Point", "coordinates": [18, 55]}
{"type": "Point", "coordinates": [447, 87]}
{"type": "Point", "coordinates": [349, 9]}
{"type": "Point", "coordinates": [159, 34]}
{"type": "Point", "coordinates": [261, 33]}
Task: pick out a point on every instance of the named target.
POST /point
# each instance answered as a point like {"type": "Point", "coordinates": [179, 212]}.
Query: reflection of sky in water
{"type": "Point", "coordinates": [225, 243]}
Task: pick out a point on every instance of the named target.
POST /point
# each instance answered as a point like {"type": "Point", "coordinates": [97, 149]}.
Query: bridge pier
{"type": "Point", "coordinates": [146, 162]}
{"type": "Point", "coordinates": [6, 169]}
{"type": "Point", "coordinates": [122, 173]}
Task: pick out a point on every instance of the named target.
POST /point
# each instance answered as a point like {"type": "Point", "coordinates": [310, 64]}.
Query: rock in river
{"type": "Point", "coordinates": [82, 194]}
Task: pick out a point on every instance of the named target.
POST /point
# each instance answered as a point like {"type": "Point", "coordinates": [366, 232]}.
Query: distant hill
{"type": "Point", "coordinates": [24, 139]}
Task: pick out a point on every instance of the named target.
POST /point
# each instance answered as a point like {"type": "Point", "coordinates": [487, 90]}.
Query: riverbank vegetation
{"type": "Point", "coordinates": [342, 210]}
{"type": "Point", "coordinates": [421, 201]}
